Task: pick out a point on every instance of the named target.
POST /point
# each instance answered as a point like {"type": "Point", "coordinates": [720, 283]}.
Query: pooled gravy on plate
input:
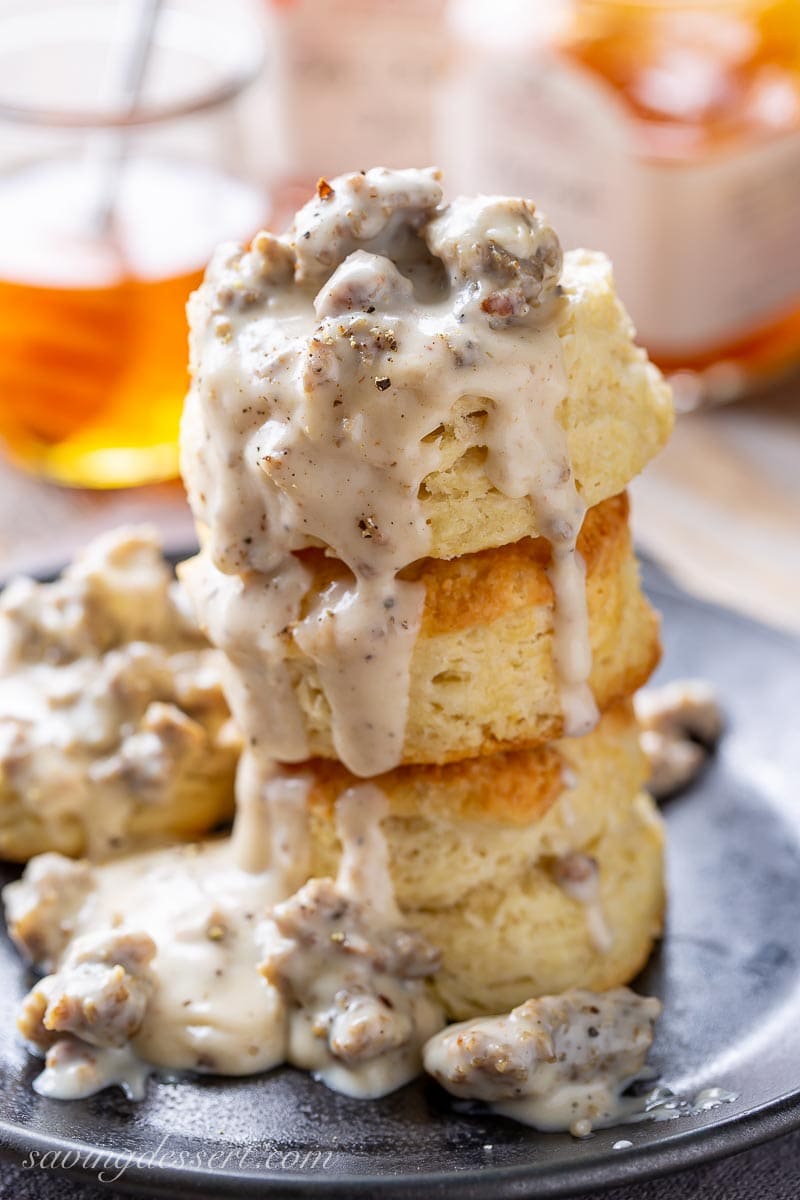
{"type": "Point", "coordinates": [182, 959]}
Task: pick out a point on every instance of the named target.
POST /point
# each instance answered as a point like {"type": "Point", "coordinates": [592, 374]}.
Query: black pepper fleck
{"type": "Point", "coordinates": [382, 383]}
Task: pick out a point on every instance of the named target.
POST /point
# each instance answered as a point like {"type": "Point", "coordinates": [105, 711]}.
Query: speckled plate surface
{"type": "Point", "coordinates": [728, 973]}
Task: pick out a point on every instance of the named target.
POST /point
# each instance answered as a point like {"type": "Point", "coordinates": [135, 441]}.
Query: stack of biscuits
{"type": "Point", "coordinates": [533, 860]}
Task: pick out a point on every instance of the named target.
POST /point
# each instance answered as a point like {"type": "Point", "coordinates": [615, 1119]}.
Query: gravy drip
{"type": "Point", "coordinates": [579, 876]}
{"type": "Point", "coordinates": [353, 978]}
{"type": "Point", "coordinates": [325, 364]}
{"type": "Point", "coordinates": [560, 1062]}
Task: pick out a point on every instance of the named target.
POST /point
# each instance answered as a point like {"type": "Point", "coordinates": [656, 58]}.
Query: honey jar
{"type": "Point", "coordinates": [665, 132]}
{"type": "Point", "coordinates": [109, 215]}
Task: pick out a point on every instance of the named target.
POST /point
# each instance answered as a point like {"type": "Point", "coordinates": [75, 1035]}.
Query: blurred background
{"type": "Point", "coordinates": [137, 134]}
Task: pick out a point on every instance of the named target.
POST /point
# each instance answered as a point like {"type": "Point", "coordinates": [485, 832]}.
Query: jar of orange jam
{"type": "Point", "coordinates": [665, 132]}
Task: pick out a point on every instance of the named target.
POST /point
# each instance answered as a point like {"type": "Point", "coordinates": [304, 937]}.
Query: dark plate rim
{"type": "Point", "coordinates": [687, 1148]}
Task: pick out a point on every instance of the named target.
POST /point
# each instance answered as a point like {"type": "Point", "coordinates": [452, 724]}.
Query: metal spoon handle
{"type": "Point", "coordinates": [132, 75]}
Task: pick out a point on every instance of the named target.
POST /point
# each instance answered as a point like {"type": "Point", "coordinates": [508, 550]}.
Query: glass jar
{"type": "Point", "coordinates": [109, 211]}
{"type": "Point", "coordinates": [665, 132]}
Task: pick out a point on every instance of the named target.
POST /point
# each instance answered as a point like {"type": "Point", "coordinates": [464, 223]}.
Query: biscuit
{"type": "Point", "coordinates": [114, 733]}
{"type": "Point", "coordinates": [476, 852]}
{"type": "Point", "coordinates": [483, 820]}
{"type": "Point", "coordinates": [198, 797]}
{"type": "Point", "coordinates": [617, 415]}
{"type": "Point", "coordinates": [501, 946]}
{"type": "Point", "coordinates": [482, 672]}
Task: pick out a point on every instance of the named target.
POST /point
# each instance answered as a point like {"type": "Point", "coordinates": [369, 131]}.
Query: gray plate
{"type": "Point", "coordinates": [728, 974]}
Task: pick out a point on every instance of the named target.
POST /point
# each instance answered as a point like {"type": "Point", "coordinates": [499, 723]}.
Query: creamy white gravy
{"type": "Point", "coordinates": [359, 1012]}
{"type": "Point", "coordinates": [209, 1010]}
{"type": "Point", "coordinates": [324, 364]}
{"type": "Point", "coordinates": [74, 1070]}
{"type": "Point", "coordinates": [560, 1062]}
{"type": "Point", "coordinates": [564, 1063]}
{"type": "Point", "coordinates": [183, 959]}
{"type": "Point", "coordinates": [108, 690]}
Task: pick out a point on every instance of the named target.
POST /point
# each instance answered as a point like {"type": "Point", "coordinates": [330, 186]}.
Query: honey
{"type": "Point", "coordinates": [92, 320]}
{"type": "Point", "coordinates": [92, 379]}
{"type": "Point", "coordinates": [696, 73]}
{"type": "Point", "coordinates": [666, 132]}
